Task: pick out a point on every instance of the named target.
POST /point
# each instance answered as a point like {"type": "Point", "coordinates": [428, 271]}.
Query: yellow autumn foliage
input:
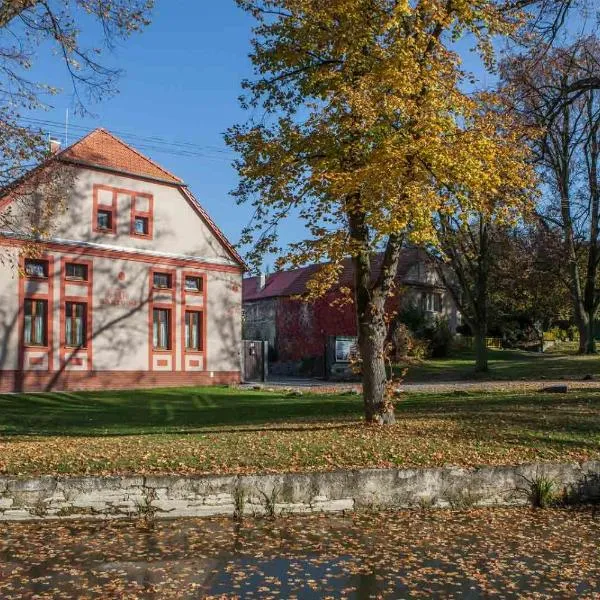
{"type": "Point", "coordinates": [362, 107]}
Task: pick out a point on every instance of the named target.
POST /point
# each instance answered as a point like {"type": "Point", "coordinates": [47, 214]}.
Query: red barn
{"type": "Point", "coordinates": [298, 331]}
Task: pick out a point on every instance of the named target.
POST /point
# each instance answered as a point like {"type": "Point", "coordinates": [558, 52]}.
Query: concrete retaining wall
{"type": "Point", "coordinates": [175, 496]}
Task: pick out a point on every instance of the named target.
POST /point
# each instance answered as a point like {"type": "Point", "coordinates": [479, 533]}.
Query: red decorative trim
{"type": "Point", "coordinates": [125, 255]}
{"type": "Point", "coordinates": [109, 207]}
{"type": "Point", "coordinates": [185, 307]}
{"type": "Point", "coordinates": [194, 363]}
{"type": "Point", "coordinates": [49, 298]}
{"type": "Point", "coordinates": [165, 305]}
{"type": "Point", "coordinates": [36, 360]}
{"type": "Point", "coordinates": [67, 354]}
{"type": "Point", "coordinates": [148, 214]}
{"type": "Point", "coordinates": [41, 380]}
{"type": "Point", "coordinates": [161, 362]}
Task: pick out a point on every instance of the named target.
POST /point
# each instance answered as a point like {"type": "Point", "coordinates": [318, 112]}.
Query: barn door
{"type": "Point", "coordinates": [255, 366]}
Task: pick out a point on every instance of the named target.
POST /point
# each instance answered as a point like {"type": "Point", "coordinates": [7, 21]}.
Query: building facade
{"type": "Point", "coordinates": [132, 286]}
{"type": "Point", "coordinates": [300, 333]}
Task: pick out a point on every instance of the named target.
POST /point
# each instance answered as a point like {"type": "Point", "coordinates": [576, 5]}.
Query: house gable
{"type": "Point", "coordinates": [120, 198]}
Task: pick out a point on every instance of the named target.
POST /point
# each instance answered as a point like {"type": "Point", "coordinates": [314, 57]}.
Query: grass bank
{"type": "Point", "coordinates": [221, 430]}
{"type": "Point", "coordinates": [505, 365]}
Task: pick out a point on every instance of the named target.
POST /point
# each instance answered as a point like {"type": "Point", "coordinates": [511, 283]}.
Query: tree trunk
{"type": "Point", "coordinates": [370, 297]}
{"type": "Point", "coordinates": [481, 354]}
{"type": "Point", "coordinates": [371, 342]}
{"type": "Point", "coordinates": [585, 326]}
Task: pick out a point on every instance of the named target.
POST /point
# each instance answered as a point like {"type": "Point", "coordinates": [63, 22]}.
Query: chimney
{"type": "Point", "coordinates": [54, 146]}
{"type": "Point", "coordinates": [261, 282]}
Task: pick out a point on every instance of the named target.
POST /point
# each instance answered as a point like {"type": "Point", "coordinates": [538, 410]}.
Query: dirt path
{"type": "Point", "coordinates": [319, 385]}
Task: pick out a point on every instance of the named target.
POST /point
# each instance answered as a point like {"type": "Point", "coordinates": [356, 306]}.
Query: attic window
{"type": "Point", "coordinates": [141, 215]}
{"type": "Point", "coordinates": [141, 226]}
{"type": "Point", "coordinates": [104, 221]}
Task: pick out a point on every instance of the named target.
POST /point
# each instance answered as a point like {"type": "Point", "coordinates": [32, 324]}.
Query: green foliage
{"type": "Point", "coordinates": [439, 336]}
{"type": "Point", "coordinates": [542, 491]}
{"type": "Point", "coordinates": [422, 336]}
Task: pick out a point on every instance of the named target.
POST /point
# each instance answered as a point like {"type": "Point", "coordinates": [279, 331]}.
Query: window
{"type": "Point", "coordinates": [75, 324]}
{"type": "Point", "coordinates": [162, 329]}
{"type": "Point", "coordinates": [36, 268]}
{"type": "Point", "coordinates": [193, 284]}
{"type": "Point", "coordinates": [140, 225]}
{"type": "Point", "coordinates": [35, 322]}
{"type": "Point", "coordinates": [141, 214]}
{"type": "Point", "coordinates": [162, 281]}
{"type": "Point", "coordinates": [431, 302]}
{"type": "Point", "coordinates": [104, 220]}
{"type": "Point", "coordinates": [345, 349]}
{"type": "Point", "coordinates": [75, 271]}
{"type": "Point", "coordinates": [193, 330]}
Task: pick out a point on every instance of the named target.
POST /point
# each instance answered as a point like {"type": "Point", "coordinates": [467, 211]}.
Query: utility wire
{"type": "Point", "coordinates": [146, 143]}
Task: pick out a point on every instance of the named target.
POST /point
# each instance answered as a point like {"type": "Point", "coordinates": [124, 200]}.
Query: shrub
{"type": "Point", "coordinates": [415, 335]}
{"type": "Point", "coordinates": [439, 336]}
{"type": "Point", "coordinates": [402, 342]}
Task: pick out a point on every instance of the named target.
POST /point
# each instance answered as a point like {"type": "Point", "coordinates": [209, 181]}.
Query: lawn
{"type": "Point", "coordinates": [505, 365]}
{"type": "Point", "coordinates": [223, 430]}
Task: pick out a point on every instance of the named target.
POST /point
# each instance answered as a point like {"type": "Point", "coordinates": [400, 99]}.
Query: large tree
{"type": "Point", "coordinates": [27, 28]}
{"type": "Point", "coordinates": [364, 129]}
{"type": "Point", "coordinates": [567, 149]}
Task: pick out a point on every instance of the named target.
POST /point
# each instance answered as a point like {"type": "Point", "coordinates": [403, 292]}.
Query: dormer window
{"type": "Point", "coordinates": [36, 268]}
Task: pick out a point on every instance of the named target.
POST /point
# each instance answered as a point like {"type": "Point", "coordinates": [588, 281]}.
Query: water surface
{"type": "Point", "coordinates": [492, 553]}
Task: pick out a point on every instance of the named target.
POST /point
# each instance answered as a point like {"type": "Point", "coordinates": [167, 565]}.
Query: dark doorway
{"type": "Point", "coordinates": [255, 360]}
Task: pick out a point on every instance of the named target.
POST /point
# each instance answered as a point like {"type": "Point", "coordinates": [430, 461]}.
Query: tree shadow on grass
{"type": "Point", "coordinates": [194, 410]}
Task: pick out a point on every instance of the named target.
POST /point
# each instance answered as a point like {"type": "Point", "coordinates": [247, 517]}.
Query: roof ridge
{"type": "Point", "coordinates": [135, 150]}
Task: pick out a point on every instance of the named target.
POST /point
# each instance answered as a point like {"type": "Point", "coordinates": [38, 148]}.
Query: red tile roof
{"type": "Point", "coordinates": [293, 282]}
{"type": "Point", "coordinates": [103, 149]}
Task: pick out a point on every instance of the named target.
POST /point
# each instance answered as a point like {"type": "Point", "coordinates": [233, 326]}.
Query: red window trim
{"type": "Point", "coordinates": [36, 277]}
{"type": "Point", "coordinates": [197, 292]}
{"type": "Point", "coordinates": [40, 298]}
{"type": "Point", "coordinates": [169, 273]}
{"type": "Point", "coordinates": [49, 298]}
{"type": "Point", "coordinates": [171, 305]}
{"type": "Point", "coordinates": [72, 354]}
{"type": "Point", "coordinates": [148, 214]}
{"type": "Point", "coordinates": [190, 309]}
{"type": "Point", "coordinates": [75, 280]}
{"type": "Point", "coordinates": [185, 307]}
{"type": "Point", "coordinates": [171, 309]}
{"type": "Point", "coordinates": [107, 207]}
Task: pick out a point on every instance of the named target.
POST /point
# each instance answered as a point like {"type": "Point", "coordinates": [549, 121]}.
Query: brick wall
{"type": "Point", "coordinates": [38, 381]}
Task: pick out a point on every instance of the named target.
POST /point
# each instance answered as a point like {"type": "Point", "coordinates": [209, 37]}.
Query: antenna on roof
{"type": "Point", "coordinates": [67, 127]}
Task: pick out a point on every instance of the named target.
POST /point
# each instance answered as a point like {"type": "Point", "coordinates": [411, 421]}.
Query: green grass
{"type": "Point", "coordinates": [505, 365]}
{"type": "Point", "coordinates": [220, 430]}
